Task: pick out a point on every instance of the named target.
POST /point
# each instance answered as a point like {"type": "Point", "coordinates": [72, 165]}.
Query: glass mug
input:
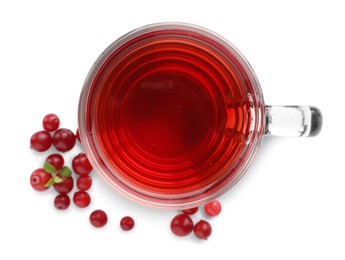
{"type": "Point", "coordinates": [171, 115]}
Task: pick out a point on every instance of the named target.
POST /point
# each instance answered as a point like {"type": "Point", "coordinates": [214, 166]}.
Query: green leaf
{"type": "Point", "coordinates": [48, 168]}
{"type": "Point", "coordinates": [57, 179]}
{"type": "Point", "coordinates": [50, 182]}
{"type": "Point", "coordinates": [66, 172]}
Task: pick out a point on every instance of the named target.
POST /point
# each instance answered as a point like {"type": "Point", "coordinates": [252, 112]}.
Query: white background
{"type": "Point", "coordinates": [290, 205]}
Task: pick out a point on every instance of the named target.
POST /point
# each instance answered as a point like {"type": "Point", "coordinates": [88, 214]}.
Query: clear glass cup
{"type": "Point", "coordinates": [171, 115]}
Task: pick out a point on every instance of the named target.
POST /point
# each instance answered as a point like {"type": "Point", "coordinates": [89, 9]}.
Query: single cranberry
{"type": "Point", "coordinates": [41, 141]}
{"type": "Point", "coordinates": [63, 140]}
{"type": "Point", "coordinates": [81, 199]}
{"type": "Point", "coordinates": [202, 229]}
{"type": "Point", "coordinates": [65, 186]}
{"type": "Point", "coordinates": [56, 160]}
{"type": "Point", "coordinates": [213, 208]}
{"type": "Point", "coordinates": [181, 225]}
{"type": "Point", "coordinates": [190, 211]}
{"type": "Point", "coordinates": [84, 182]}
{"type": "Point", "coordinates": [39, 179]}
{"type": "Point", "coordinates": [98, 218]}
{"type": "Point", "coordinates": [127, 223]}
{"type": "Point", "coordinates": [77, 135]}
{"type": "Point", "coordinates": [51, 122]}
{"type": "Point", "coordinates": [81, 164]}
{"type": "Point", "coordinates": [62, 201]}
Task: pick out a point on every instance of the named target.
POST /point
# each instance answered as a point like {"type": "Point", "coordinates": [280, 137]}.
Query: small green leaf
{"type": "Point", "coordinates": [50, 182]}
{"type": "Point", "coordinates": [48, 168]}
{"type": "Point", "coordinates": [57, 179]}
{"type": "Point", "coordinates": [66, 172]}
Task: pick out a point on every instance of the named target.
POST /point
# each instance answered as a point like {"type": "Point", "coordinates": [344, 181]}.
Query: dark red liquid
{"type": "Point", "coordinates": [170, 112]}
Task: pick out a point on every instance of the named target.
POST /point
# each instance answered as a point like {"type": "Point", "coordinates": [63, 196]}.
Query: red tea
{"type": "Point", "coordinates": [170, 112]}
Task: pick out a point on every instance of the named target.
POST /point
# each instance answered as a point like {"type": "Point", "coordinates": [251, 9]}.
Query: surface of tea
{"type": "Point", "coordinates": [171, 113]}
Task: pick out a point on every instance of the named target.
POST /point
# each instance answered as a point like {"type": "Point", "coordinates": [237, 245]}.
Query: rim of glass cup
{"type": "Point", "coordinates": [151, 199]}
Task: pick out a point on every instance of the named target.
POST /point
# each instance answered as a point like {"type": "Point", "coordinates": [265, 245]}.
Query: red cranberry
{"type": "Point", "coordinates": [84, 182]}
{"type": "Point", "coordinates": [213, 208]}
{"type": "Point", "coordinates": [202, 229]}
{"type": "Point", "coordinates": [81, 199]}
{"type": "Point", "coordinates": [63, 140]}
{"type": "Point", "coordinates": [98, 218]}
{"type": "Point", "coordinates": [56, 160]}
{"type": "Point", "coordinates": [62, 201]}
{"type": "Point", "coordinates": [77, 135]}
{"type": "Point", "coordinates": [81, 164]}
{"type": "Point", "coordinates": [51, 122]}
{"type": "Point", "coordinates": [41, 141]}
{"type": "Point", "coordinates": [65, 186]}
{"type": "Point", "coordinates": [190, 211]}
{"type": "Point", "coordinates": [39, 179]}
{"type": "Point", "coordinates": [181, 225]}
{"type": "Point", "coordinates": [127, 223]}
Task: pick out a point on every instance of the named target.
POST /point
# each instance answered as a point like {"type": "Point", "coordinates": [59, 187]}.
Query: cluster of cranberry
{"type": "Point", "coordinates": [182, 224]}
{"type": "Point", "coordinates": [56, 174]}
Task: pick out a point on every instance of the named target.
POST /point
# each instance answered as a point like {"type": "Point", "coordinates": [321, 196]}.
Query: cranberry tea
{"type": "Point", "coordinates": [170, 112]}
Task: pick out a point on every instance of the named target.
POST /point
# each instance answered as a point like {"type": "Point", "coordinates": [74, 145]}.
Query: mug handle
{"type": "Point", "coordinates": [293, 121]}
